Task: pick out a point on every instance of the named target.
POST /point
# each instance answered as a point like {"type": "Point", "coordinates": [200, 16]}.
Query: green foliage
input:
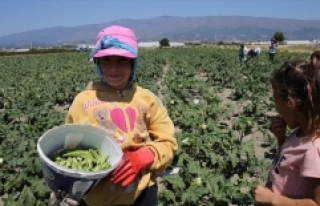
{"type": "Point", "coordinates": [279, 36]}
{"type": "Point", "coordinates": [218, 166]}
{"type": "Point", "coordinates": [164, 42]}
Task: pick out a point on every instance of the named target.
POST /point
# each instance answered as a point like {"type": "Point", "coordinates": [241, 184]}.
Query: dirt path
{"type": "Point", "coordinates": [226, 100]}
{"type": "Point", "coordinates": [160, 81]}
{"type": "Point", "coordinates": [237, 109]}
{"type": "Point", "coordinates": [256, 135]}
{"type": "Point", "coordinates": [161, 85]}
{"type": "Point", "coordinates": [1, 202]}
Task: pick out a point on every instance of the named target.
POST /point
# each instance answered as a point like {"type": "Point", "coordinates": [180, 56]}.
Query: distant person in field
{"type": "Point", "coordinates": [243, 52]}
{"type": "Point", "coordinates": [257, 50]}
{"type": "Point", "coordinates": [294, 177]}
{"type": "Point", "coordinates": [133, 115]}
{"type": "Point", "coordinates": [272, 48]}
{"type": "Point", "coordinates": [254, 52]}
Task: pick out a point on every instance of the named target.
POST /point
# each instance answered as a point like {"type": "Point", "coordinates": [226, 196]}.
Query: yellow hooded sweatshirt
{"type": "Point", "coordinates": [135, 117]}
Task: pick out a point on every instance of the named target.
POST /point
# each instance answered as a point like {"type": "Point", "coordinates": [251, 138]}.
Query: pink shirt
{"type": "Point", "coordinates": [298, 159]}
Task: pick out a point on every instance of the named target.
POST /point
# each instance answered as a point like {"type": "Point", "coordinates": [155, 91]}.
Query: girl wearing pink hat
{"type": "Point", "coordinates": [133, 115]}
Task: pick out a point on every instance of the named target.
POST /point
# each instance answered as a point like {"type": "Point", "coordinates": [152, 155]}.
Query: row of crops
{"type": "Point", "coordinates": [218, 167]}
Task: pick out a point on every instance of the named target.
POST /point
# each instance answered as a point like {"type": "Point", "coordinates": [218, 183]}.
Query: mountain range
{"type": "Point", "coordinates": [219, 28]}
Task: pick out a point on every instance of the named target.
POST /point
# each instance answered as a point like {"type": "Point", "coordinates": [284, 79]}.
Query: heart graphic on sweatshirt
{"type": "Point", "coordinates": [117, 116]}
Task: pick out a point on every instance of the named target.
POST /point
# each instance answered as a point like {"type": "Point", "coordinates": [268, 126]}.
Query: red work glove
{"type": "Point", "coordinates": [131, 165]}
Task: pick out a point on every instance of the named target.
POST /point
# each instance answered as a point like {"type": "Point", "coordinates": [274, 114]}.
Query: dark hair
{"type": "Point", "coordinates": [315, 59]}
{"type": "Point", "coordinates": [301, 81]}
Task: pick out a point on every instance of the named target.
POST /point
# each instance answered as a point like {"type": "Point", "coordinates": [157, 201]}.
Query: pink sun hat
{"type": "Point", "coordinates": [121, 41]}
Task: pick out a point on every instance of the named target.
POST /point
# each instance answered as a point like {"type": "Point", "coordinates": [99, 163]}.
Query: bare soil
{"type": "Point", "coordinates": [256, 135]}
{"type": "Point", "coordinates": [226, 100]}
{"type": "Point", "coordinates": [1, 202]}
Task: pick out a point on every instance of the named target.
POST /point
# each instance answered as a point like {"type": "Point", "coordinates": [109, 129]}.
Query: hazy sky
{"type": "Point", "coordinates": [23, 15]}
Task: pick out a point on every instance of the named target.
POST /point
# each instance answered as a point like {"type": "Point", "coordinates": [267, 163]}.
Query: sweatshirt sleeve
{"type": "Point", "coordinates": [161, 129]}
{"type": "Point", "coordinates": [75, 113]}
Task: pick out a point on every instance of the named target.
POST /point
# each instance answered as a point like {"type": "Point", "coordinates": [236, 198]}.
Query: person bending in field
{"type": "Point", "coordinates": [254, 52]}
{"type": "Point", "coordinates": [133, 115]}
{"type": "Point", "coordinates": [294, 177]}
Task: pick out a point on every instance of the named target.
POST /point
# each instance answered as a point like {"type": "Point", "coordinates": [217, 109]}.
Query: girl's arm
{"type": "Point", "coordinates": [280, 200]}
{"type": "Point", "coordinates": [278, 128]}
{"type": "Point", "coordinates": [264, 195]}
{"type": "Point", "coordinates": [161, 129]}
{"type": "Point", "coordinates": [75, 112]}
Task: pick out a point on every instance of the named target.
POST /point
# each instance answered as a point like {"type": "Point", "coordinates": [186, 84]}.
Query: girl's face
{"type": "Point", "coordinates": [116, 70]}
{"type": "Point", "coordinates": [287, 109]}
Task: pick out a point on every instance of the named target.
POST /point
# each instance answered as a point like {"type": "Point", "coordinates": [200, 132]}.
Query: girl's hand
{"type": "Point", "coordinates": [263, 195]}
{"type": "Point", "coordinates": [131, 165]}
{"type": "Point", "coordinates": [278, 127]}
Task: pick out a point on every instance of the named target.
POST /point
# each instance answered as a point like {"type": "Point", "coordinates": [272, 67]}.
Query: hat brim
{"type": "Point", "coordinates": [114, 52]}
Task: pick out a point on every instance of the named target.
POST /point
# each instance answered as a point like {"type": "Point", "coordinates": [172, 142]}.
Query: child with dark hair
{"type": "Point", "coordinates": [294, 177]}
